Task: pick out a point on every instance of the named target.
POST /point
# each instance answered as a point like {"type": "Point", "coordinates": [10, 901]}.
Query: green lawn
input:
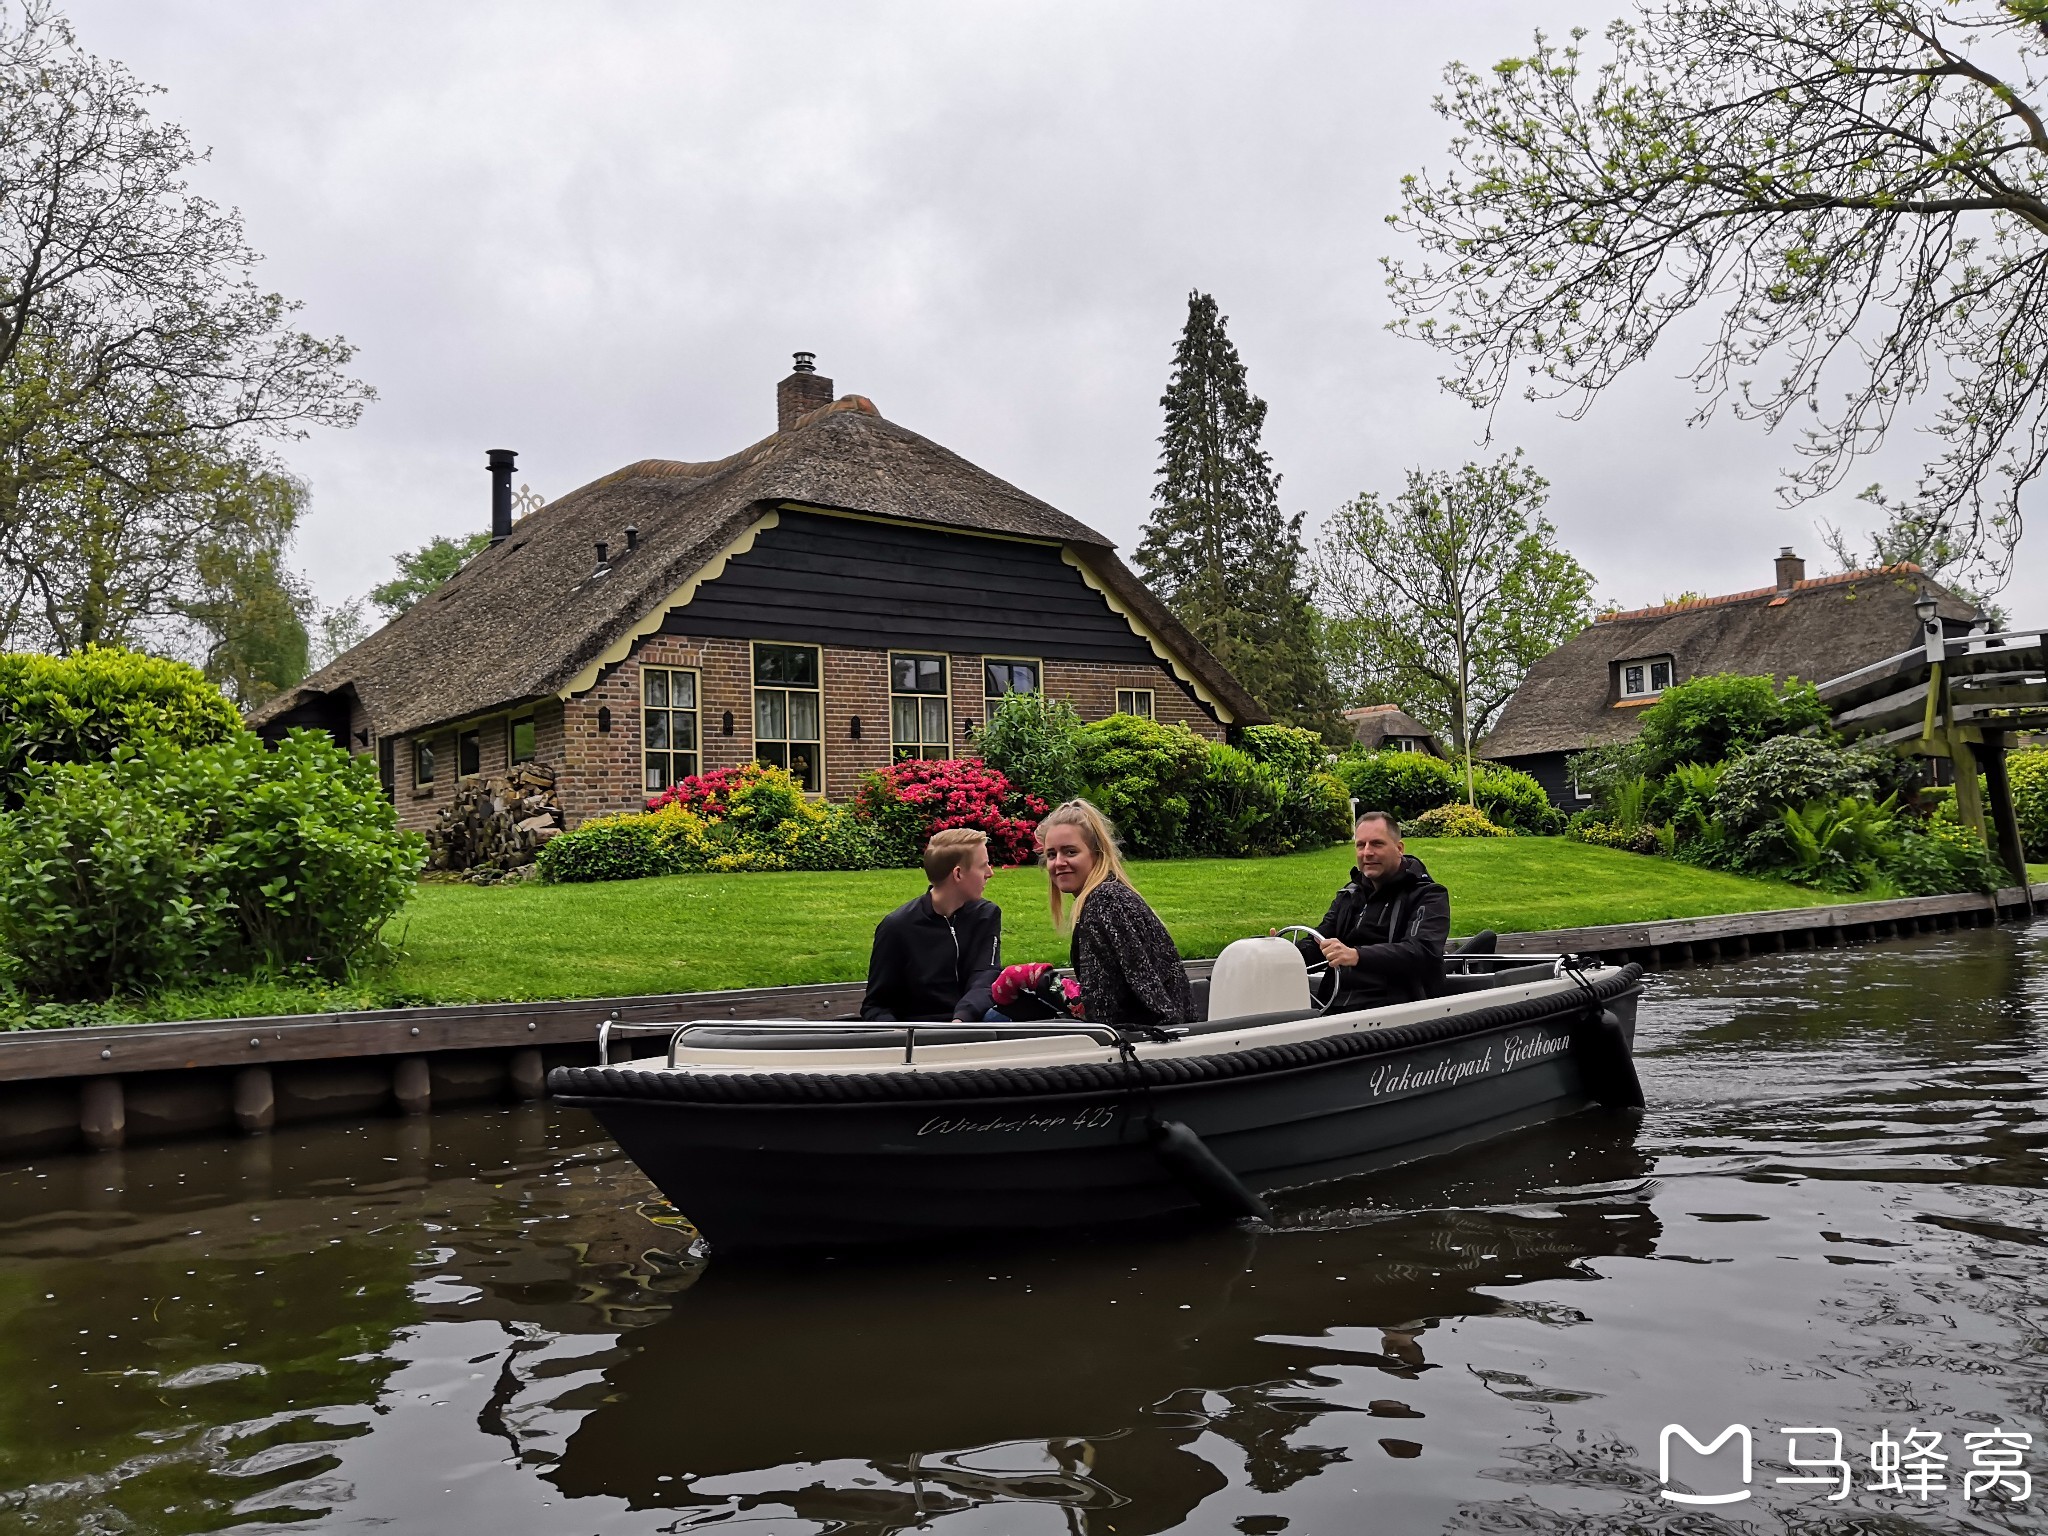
{"type": "Point", "coordinates": [692, 933]}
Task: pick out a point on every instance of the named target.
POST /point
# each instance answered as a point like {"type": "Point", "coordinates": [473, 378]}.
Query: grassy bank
{"type": "Point", "coordinates": [702, 932]}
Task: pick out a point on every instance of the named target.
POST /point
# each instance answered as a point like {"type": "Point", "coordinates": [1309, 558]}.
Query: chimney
{"type": "Point", "coordinates": [1791, 569]}
{"type": "Point", "coordinates": [804, 390]}
{"type": "Point", "coordinates": [603, 563]}
{"type": "Point", "coordinates": [501, 462]}
{"type": "Point", "coordinates": [632, 538]}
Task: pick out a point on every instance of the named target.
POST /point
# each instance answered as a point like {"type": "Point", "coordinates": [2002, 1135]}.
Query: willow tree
{"type": "Point", "coordinates": [1216, 547]}
{"type": "Point", "coordinates": [1852, 195]}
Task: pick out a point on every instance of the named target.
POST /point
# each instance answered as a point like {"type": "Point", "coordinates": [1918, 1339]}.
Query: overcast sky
{"type": "Point", "coordinates": [595, 233]}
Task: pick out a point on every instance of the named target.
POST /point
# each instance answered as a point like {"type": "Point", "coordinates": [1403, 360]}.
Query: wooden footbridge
{"type": "Point", "coordinates": [1960, 697]}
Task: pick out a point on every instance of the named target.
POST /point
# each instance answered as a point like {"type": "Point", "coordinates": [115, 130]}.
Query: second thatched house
{"type": "Point", "coordinates": [840, 595]}
{"type": "Point", "coordinates": [1592, 689]}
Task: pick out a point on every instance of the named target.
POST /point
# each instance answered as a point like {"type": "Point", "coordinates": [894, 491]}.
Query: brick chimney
{"type": "Point", "coordinates": [1791, 569]}
{"type": "Point", "coordinates": [804, 390]}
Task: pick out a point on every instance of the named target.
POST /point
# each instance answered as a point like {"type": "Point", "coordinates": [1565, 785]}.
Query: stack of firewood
{"type": "Point", "coordinates": [496, 821]}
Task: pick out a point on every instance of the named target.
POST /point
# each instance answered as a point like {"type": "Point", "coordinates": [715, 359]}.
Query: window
{"type": "Point", "coordinates": [668, 726]}
{"type": "Point", "coordinates": [1579, 792]}
{"type": "Point", "coordinates": [1134, 701]}
{"type": "Point", "coordinates": [1406, 743]}
{"type": "Point", "coordinates": [788, 712]}
{"type": "Point", "coordinates": [387, 764]}
{"type": "Point", "coordinates": [1641, 679]}
{"type": "Point", "coordinates": [920, 709]}
{"type": "Point", "coordinates": [521, 744]}
{"type": "Point", "coordinates": [469, 754]}
{"type": "Point", "coordinates": [422, 762]}
{"type": "Point", "coordinates": [1005, 674]}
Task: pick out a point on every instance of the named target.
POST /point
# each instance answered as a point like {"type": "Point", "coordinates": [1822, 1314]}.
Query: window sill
{"type": "Point", "coordinates": [1637, 703]}
{"type": "Point", "coordinates": [423, 792]}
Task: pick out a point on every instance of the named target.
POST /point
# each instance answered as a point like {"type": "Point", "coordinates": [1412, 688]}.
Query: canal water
{"type": "Point", "coordinates": [1831, 1218]}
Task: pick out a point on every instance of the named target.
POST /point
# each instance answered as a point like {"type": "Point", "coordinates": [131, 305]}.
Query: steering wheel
{"type": "Point", "coordinates": [1319, 972]}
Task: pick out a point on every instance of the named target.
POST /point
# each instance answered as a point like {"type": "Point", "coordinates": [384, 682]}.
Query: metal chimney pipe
{"type": "Point", "coordinates": [501, 462]}
{"type": "Point", "coordinates": [602, 549]}
{"type": "Point", "coordinates": [632, 538]}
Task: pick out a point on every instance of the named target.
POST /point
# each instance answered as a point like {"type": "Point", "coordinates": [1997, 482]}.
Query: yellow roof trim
{"type": "Point", "coordinates": [650, 622]}
{"type": "Point", "coordinates": [915, 522]}
{"type": "Point", "coordinates": [1143, 632]}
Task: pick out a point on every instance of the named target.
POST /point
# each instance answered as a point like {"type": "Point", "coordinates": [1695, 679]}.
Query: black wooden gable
{"type": "Point", "coordinates": [859, 583]}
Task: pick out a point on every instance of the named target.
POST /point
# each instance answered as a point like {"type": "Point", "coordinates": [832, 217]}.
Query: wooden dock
{"type": "Point", "coordinates": [105, 1086]}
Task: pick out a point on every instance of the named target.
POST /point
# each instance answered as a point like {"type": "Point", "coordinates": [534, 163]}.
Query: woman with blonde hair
{"type": "Point", "coordinates": [1124, 958]}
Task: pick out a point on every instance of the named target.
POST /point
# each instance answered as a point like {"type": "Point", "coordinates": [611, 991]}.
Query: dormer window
{"type": "Point", "coordinates": [1645, 679]}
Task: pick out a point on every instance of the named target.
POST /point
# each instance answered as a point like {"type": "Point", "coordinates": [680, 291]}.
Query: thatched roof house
{"type": "Point", "coordinates": [839, 594]}
{"type": "Point", "coordinates": [1592, 689]}
{"type": "Point", "coordinates": [1388, 727]}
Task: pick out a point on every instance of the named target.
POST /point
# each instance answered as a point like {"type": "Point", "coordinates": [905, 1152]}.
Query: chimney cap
{"type": "Point", "coordinates": [804, 362]}
{"type": "Point", "coordinates": [501, 458]}
{"type": "Point", "coordinates": [1785, 552]}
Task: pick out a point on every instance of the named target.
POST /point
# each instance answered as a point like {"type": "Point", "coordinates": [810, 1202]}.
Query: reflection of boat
{"type": "Point", "coordinates": [778, 1135]}
{"type": "Point", "coordinates": [1130, 1378]}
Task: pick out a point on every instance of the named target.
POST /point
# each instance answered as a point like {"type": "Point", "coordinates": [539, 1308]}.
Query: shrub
{"type": "Point", "coordinates": [1710, 719]}
{"type": "Point", "coordinates": [1236, 805]}
{"type": "Point", "coordinates": [1454, 820]}
{"type": "Point", "coordinates": [78, 709]}
{"type": "Point", "coordinates": [1314, 805]}
{"type": "Point", "coordinates": [301, 842]}
{"type": "Point", "coordinates": [1034, 742]}
{"type": "Point", "coordinates": [1791, 770]}
{"type": "Point", "coordinates": [1143, 775]}
{"type": "Point", "coordinates": [628, 846]}
{"type": "Point", "coordinates": [1936, 859]}
{"type": "Point", "coordinates": [1317, 813]}
{"type": "Point", "coordinates": [906, 803]}
{"type": "Point", "coordinates": [231, 857]}
{"type": "Point", "coordinates": [1588, 828]}
{"type": "Point", "coordinates": [1404, 784]}
{"type": "Point", "coordinates": [1296, 753]}
{"type": "Point", "coordinates": [1836, 844]}
{"type": "Point", "coordinates": [1515, 800]}
{"type": "Point", "coordinates": [2028, 773]}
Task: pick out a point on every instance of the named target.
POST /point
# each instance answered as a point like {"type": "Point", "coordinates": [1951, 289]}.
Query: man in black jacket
{"type": "Point", "coordinates": [935, 957]}
{"type": "Point", "coordinates": [1384, 934]}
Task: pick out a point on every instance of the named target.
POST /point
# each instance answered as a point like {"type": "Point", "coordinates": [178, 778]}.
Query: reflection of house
{"type": "Point", "coordinates": [841, 594]}
{"type": "Point", "coordinates": [1389, 728]}
{"type": "Point", "coordinates": [1590, 691]}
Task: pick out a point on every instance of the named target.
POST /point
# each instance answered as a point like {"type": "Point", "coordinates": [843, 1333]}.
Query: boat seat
{"type": "Point", "coordinates": [1507, 976]}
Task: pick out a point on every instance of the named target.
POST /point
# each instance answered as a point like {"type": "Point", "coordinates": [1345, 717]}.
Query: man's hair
{"type": "Point", "coordinates": [950, 849]}
{"type": "Point", "coordinates": [1393, 826]}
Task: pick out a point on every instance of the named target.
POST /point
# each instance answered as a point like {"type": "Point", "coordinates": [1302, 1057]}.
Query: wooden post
{"type": "Point", "coordinates": [2012, 849]}
{"type": "Point", "coordinates": [1969, 802]}
{"type": "Point", "coordinates": [412, 1086]}
{"type": "Point", "coordinates": [102, 1113]}
{"type": "Point", "coordinates": [255, 1100]}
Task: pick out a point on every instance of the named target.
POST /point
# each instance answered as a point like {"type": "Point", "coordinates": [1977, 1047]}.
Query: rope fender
{"type": "Point", "coordinates": [582, 1085]}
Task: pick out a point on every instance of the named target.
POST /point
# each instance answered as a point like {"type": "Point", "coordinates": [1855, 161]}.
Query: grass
{"type": "Point", "coordinates": [690, 933]}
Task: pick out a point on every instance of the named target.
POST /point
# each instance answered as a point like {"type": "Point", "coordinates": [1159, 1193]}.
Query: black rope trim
{"type": "Point", "coordinates": [582, 1085]}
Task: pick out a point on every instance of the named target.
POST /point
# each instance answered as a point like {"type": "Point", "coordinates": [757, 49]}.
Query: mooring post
{"type": "Point", "coordinates": [102, 1113]}
{"type": "Point", "coordinates": [412, 1085]}
{"type": "Point", "coordinates": [529, 1075]}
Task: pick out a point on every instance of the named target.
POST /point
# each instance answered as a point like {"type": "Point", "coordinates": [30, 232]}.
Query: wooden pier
{"type": "Point", "coordinates": [107, 1086]}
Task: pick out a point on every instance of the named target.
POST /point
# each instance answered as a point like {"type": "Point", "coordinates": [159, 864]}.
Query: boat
{"type": "Point", "coordinates": [778, 1134]}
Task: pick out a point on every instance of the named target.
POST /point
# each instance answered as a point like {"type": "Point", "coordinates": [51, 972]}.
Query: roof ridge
{"type": "Point", "coordinates": [1900, 568]}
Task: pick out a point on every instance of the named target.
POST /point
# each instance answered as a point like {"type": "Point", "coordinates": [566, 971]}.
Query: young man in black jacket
{"type": "Point", "coordinates": [935, 957]}
{"type": "Point", "coordinates": [1384, 935]}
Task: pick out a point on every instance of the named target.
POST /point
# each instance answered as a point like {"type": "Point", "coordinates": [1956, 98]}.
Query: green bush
{"type": "Point", "coordinates": [1296, 753]}
{"type": "Point", "coordinates": [78, 709]}
{"type": "Point", "coordinates": [95, 885]}
{"type": "Point", "coordinates": [624, 847]}
{"type": "Point", "coordinates": [1035, 743]}
{"type": "Point", "coordinates": [1237, 803]}
{"type": "Point", "coordinates": [1314, 805]}
{"type": "Point", "coordinates": [1403, 784]}
{"type": "Point", "coordinates": [1513, 799]}
{"type": "Point", "coordinates": [2028, 772]}
{"type": "Point", "coordinates": [1454, 820]}
{"type": "Point", "coordinates": [230, 858]}
{"type": "Point", "coordinates": [1586, 827]}
{"type": "Point", "coordinates": [1710, 719]}
{"type": "Point", "coordinates": [1143, 776]}
{"type": "Point", "coordinates": [1937, 859]}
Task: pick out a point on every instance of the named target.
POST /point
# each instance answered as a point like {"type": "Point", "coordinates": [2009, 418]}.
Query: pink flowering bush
{"type": "Point", "coordinates": [908, 802]}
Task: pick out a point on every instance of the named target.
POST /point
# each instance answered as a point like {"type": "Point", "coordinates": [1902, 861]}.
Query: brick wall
{"type": "Point", "coordinates": [856, 686]}
{"type": "Point", "coordinates": [602, 771]}
{"type": "Point", "coordinates": [419, 806]}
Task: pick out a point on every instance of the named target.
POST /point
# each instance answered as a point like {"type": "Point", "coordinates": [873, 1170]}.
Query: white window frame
{"type": "Point", "coordinates": [423, 757]}
{"type": "Point", "coordinates": [1649, 665]}
{"type": "Point", "coordinates": [923, 747]}
{"type": "Point", "coordinates": [756, 689]}
{"type": "Point", "coordinates": [695, 711]}
{"type": "Point", "coordinates": [1132, 695]}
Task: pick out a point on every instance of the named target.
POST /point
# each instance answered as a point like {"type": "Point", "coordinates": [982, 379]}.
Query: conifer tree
{"type": "Point", "coordinates": [1217, 547]}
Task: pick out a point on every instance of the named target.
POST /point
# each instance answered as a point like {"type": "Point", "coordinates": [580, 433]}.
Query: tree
{"type": "Point", "coordinates": [1216, 546]}
{"type": "Point", "coordinates": [1855, 191]}
{"type": "Point", "coordinates": [1446, 595]}
{"type": "Point", "coordinates": [250, 609]}
{"type": "Point", "coordinates": [1909, 535]}
{"type": "Point", "coordinates": [141, 369]}
{"type": "Point", "coordinates": [423, 571]}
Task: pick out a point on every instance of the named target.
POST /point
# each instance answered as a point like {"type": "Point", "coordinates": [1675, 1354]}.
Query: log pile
{"type": "Point", "coordinates": [496, 821]}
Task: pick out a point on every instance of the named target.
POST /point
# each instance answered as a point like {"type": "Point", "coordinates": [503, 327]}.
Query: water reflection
{"type": "Point", "coordinates": [486, 1322]}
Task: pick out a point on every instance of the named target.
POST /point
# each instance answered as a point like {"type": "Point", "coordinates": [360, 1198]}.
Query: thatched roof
{"type": "Point", "coordinates": [528, 617]}
{"type": "Point", "coordinates": [1814, 629]}
{"type": "Point", "coordinates": [1372, 724]}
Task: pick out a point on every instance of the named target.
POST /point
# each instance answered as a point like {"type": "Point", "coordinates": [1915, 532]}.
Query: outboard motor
{"type": "Point", "coordinates": [1265, 975]}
